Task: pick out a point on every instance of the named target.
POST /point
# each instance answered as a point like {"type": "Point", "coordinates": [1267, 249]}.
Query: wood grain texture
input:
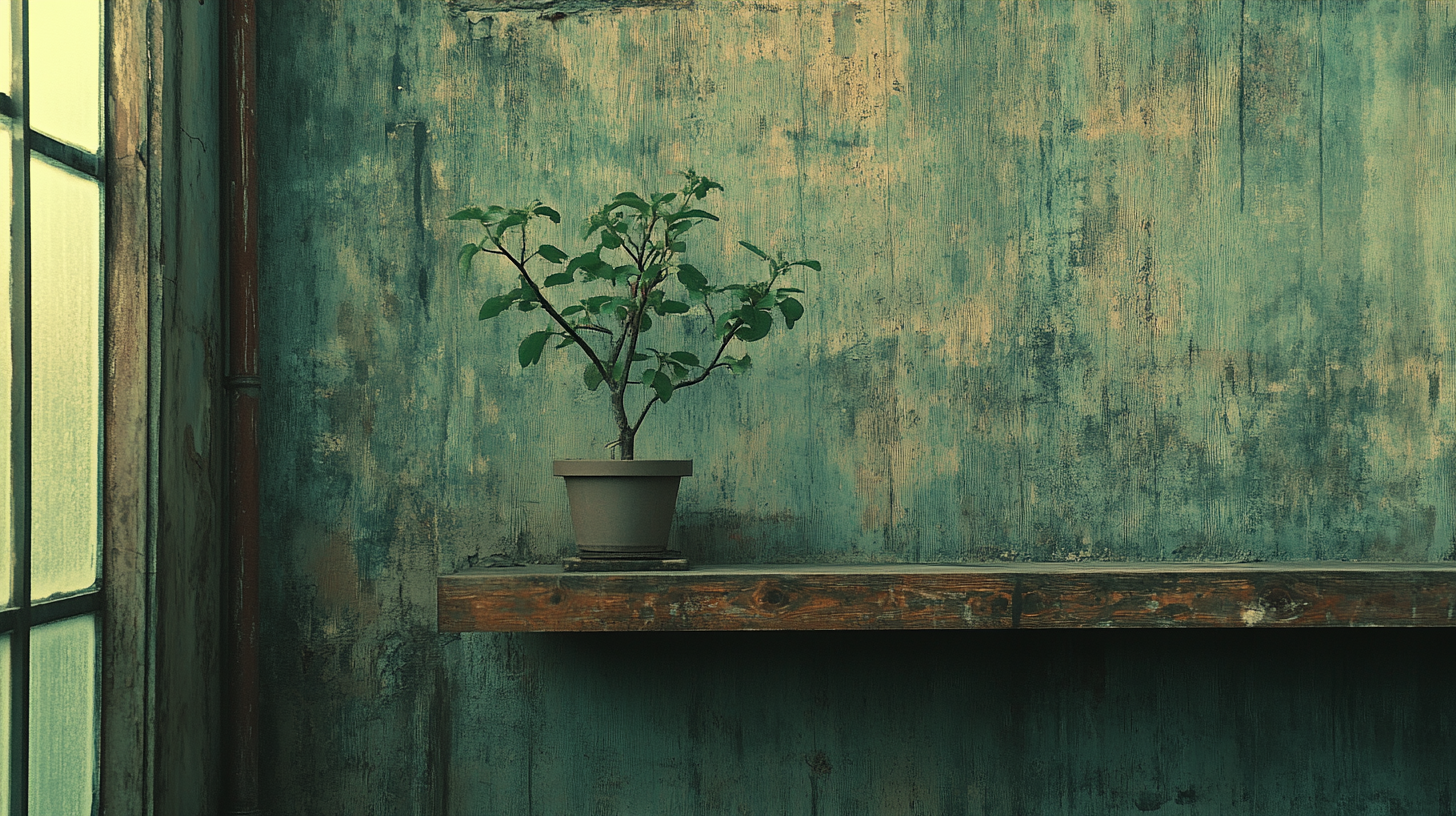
{"type": "Point", "coordinates": [1037, 596]}
{"type": "Point", "coordinates": [127, 725]}
{"type": "Point", "coordinates": [186, 140]}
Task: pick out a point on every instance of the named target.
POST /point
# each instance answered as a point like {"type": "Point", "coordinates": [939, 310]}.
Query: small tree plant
{"type": "Point", "coordinates": [648, 237]}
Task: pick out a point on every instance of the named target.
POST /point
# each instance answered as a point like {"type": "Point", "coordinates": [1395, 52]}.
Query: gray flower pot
{"type": "Point", "coordinates": [622, 509]}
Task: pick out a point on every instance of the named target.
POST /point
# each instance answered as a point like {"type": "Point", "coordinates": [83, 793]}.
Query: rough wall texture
{"type": "Point", "coordinates": [189, 512]}
{"type": "Point", "coordinates": [1116, 279]}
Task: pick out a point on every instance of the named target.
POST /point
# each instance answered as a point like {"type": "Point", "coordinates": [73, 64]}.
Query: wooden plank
{"type": "Point", "coordinates": [127, 726]}
{"type": "Point", "coordinates": [1042, 596]}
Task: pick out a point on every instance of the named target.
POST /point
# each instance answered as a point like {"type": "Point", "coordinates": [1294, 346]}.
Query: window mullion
{"type": "Point", "coordinates": [20, 414]}
{"type": "Point", "coordinates": [62, 153]}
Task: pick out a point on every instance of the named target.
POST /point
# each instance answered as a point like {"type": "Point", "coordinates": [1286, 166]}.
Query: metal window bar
{"type": "Point", "coordinates": [20, 414]}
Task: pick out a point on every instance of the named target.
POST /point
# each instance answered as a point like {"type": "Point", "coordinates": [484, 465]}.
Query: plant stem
{"type": "Point", "coordinates": [626, 434]}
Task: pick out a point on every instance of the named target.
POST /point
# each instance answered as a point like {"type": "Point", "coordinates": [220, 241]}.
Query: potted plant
{"type": "Point", "coordinates": [634, 277]}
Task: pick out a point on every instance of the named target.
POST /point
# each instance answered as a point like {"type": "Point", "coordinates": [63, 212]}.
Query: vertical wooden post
{"type": "Point", "coordinates": [243, 385]}
{"type": "Point", "coordinates": [128, 620]}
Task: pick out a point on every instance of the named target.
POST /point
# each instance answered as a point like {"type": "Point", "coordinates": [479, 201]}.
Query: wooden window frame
{"type": "Point", "coordinates": [122, 599]}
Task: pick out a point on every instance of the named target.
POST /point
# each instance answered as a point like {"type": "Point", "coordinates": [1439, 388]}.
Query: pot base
{"type": "Point", "coordinates": [672, 563]}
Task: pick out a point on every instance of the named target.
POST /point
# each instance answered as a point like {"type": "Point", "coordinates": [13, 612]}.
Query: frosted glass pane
{"type": "Point", "coordinates": [7, 566]}
{"type": "Point", "coordinates": [65, 345]}
{"type": "Point", "coordinates": [4, 725]}
{"type": "Point", "coordinates": [63, 717]}
{"type": "Point", "coordinates": [65, 71]}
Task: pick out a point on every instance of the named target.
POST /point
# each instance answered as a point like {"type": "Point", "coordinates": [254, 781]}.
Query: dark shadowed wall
{"type": "Point", "coordinates": [1121, 280]}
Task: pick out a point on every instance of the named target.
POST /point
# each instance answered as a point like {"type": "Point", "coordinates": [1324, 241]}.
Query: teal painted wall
{"type": "Point", "coordinates": [1124, 280]}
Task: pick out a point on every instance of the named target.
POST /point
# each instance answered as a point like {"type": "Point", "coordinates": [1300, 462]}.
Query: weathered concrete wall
{"type": "Point", "coordinates": [1115, 279]}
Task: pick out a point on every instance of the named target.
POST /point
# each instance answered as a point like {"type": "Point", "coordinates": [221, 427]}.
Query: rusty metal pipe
{"type": "Point", "coordinates": [240, 127]}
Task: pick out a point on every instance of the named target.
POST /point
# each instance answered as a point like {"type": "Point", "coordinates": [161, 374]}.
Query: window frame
{"type": "Point", "coordinates": [122, 599]}
{"type": "Point", "coordinates": [24, 614]}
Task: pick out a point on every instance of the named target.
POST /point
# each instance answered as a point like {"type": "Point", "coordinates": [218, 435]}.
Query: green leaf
{"type": "Point", "coordinates": [591, 376]}
{"type": "Point", "coordinates": [591, 225]}
{"type": "Point", "coordinates": [515, 219]}
{"type": "Point", "coordinates": [467, 252]}
{"type": "Point", "coordinates": [686, 358]}
{"type": "Point", "coordinates": [611, 240]}
{"type": "Point", "coordinates": [740, 365]}
{"type": "Point", "coordinates": [638, 357]}
{"type": "Point", "coordinates": [558, 279]}
{"type": "Point", "coordinates": [598, 270]}
{"type": "Point", "coordinates": [551, 253]}
{"type": "Point", "coordinates": [498, 304]}
{"type": "Point", "coordinates": [689, 276]}
{"type": "Point", "coordinates": [616, 303]}
{"type": "Point", "coordinates": [646, 324]}
{"type": "Point", "coordinates": [526, 305]}
{"type": "Point", "coordinates": [632, 200]}
{"type": "Point", "coordinates": [469, 214]}
{"type": "Point", "coordinates": [586, 261]}
{"type": "Point", "coordinates": [756, 324]}
{"type": "Point", "coordinates": [549, 213]}
{"type": "Point", "coordinates": [814, 265]}
{"type": "Point", "coordinates": [765, 302]}
{"type": "Point", "coordinates": [787, 290]}
{"type": "Point", "coordinates": [673, 307]}
{"type": "Point", "coordinates": [678, 246]}
{"type": "Point", "coordinates": [575, 308]}
{"type": "Point", "coordinates": [662, 385]}
{"type": "Point", "coordinates": [623, 273]}
{"type": "Point", "coordinates": [595, 304]}
{"type": "Point", "coordinates": [565, 341]}
{"type": "Point", "coordinates": [755, 250]}
{"type": "Point", "coordinates": [793, 310]}
{"type": "Point", "coordinates": [530, 351]}
{"type": "Point", "coordinates": [724, 325]}
{"type": "Point", "coordinates": [675, 217]}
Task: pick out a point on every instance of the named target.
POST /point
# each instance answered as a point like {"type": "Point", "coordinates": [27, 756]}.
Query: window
{"type": "Point", "coordinates": [50, 404]}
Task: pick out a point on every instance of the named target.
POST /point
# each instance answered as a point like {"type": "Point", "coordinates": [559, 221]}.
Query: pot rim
{"type": "Point", "coordinates": [618, 467]}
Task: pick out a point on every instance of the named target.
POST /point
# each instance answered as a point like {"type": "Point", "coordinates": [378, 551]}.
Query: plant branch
{"type": "Point", "coordinates": [708, 369]}
{"type": "Point", "coordinates": [634, 328]}
{"type": "Point", "coordinates": [551, 310]}
{"type": "Point", "coordinates": [627, 247]}
{"type": "Point", "coordinates": [716, 357]}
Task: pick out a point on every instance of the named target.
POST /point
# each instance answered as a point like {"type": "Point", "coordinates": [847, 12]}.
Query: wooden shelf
{"type": "Point", "coordinates": [984, 596]}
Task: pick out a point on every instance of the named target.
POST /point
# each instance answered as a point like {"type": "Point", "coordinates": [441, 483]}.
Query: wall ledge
{"type": "Point", "coordinates": [952, 596]}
